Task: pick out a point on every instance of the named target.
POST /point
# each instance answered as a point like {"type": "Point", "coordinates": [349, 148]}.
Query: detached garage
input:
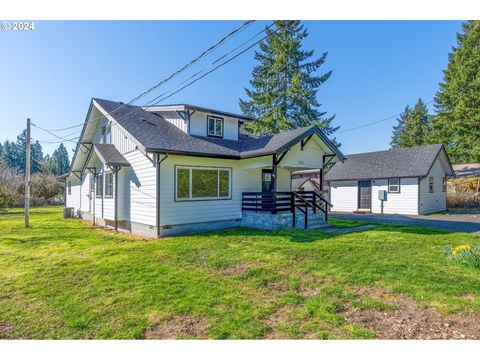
{"type": "Point", "coordinates": [410, 181]}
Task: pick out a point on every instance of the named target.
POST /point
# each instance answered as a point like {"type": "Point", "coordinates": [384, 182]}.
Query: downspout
{"type": "Point", "coordinates": [158, 161]}
{"type": "Point", "coordinates": [116, 196]}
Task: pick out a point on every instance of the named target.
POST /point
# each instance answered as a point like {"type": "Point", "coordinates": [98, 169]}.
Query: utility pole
{"type": "Point", "coordinates": [27, 177]}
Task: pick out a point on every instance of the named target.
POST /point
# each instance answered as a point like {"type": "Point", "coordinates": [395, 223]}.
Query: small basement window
{"type": "Point", "coordinates": [214, 126]}
{"type": "Point", "coordinates": [99, 186]}
{"type": "Point", "coordinates": [394, 185]}
{"type": "Point", "coordinates": [430, 184]}
{"type": "Point", "coordinates": [109, 184]}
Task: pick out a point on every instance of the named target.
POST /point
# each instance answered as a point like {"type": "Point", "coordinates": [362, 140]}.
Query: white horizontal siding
{"type": "Point", "coordinates": [139, 190]}
{"type": "Point", "coordinates": [436, 201]}
{"type": "Point", "coordinates": [284, 179]}
{"type": "Point", "coordinates": [246, 176]}
{"type": "Point", "coordinates": [198, 125]}
{"type": "Point", "coordinates": [311, 157]}
{"type": "Point", "coordinates": [73, 199]}
{"type": "Point", "coordinates": [405, 202]}
{"type": "Point", "coordinates": [344, 195]}
{"type": "Point", "coordinates": [85, 193]}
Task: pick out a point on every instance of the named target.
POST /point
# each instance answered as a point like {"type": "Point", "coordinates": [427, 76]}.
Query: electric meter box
{"type": "Point", "coordinates": [382, 195]}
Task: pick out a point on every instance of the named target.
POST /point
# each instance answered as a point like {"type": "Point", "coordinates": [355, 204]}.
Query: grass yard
{"type": "Point", "coordinates": [64, 279]}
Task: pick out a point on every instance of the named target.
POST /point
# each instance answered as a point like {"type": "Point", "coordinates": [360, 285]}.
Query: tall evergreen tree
{"type": "Point", "coordinates": [19, 154]}
{"type": "Point", "coordinates": [60, 161]}
{"type": "Point", "coordinates": [457, 103]}
{"type": "Point", "coordinates": [399, 128]}
{"type": "Point", "coordinates": [416, 126]}
{"type": "Point", "coordinates": [285, 83]}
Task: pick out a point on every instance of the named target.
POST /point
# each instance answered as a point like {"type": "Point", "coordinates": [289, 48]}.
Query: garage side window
{"type": "Point", "coordinates": [394, 185]}
{"type": "Point", "coordinates": [198, 183]}
{"type": "Point", "coordinates": [430, 184]}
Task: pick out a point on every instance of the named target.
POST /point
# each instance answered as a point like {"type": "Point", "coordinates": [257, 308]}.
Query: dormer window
{"type": "Point", "coordinates": [214, 126]}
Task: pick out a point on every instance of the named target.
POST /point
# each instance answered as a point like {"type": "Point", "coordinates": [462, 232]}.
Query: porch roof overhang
{"type": "Point", "coordinates": [109, 155]}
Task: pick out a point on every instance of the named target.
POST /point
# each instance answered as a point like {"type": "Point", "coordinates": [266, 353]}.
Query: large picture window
{"type": "Point", "coordinates": [202, 183]}
{"type": "Point", "coordinates": [394, 185]}
{"type": "Point", "coordinates": [99, 186]}
{"type": "Point", "coordinates": [214, 126]}
{"type": "Point", "coordinates": [109, 184]}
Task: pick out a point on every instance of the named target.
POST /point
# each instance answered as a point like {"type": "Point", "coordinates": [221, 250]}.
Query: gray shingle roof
{"type": "Point", "coordinates": [406, 162]}
{"type": "Point", "coordinates": [110, 155]}
{"type": "Point", "coordinates": [156, 134]}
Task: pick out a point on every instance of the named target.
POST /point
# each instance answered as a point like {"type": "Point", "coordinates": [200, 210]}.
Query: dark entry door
{"type": "Point", "coordinates": [364, 194]}
{"type": "Point", "coordinates": [267, 180]}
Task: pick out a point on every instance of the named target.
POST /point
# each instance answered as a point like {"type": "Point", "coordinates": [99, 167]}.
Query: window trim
{"type": "Point", "coordinates": [399, 186]}
{"type": "Point", "coordinates": [215, 118]}
{"type": "Point", "coordinates": [192, 167]}
{"type": "Point", "coordinates": [107, 196]}
{"type": "Point", "coordinates": [97, 194]}
{"type": "Point", "coordinates": [431, 184]}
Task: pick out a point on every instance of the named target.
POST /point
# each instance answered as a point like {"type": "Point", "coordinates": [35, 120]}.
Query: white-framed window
{"type": "Point", "coordinates": [394, 185]}
{"type": "Point", "coordinates": [214, 126]}
{"type": "Point", "coordinates": [107, 134]}
{"type": "Point", "coordinates": [430, 184]}
{"type": "Point", "coordinates": [99, 186]}
{"type": "Point", "coordinates": [202, 183]}
{"type": "Point", "coordinates": [109, 184]}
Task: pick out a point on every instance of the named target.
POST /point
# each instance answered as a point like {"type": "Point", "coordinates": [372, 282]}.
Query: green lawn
{"type": "Point", "coordinates": [64, 279]}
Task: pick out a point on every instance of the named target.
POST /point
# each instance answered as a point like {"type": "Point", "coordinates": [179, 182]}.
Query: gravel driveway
{"type": "Point", "coordinates": [469, 223]}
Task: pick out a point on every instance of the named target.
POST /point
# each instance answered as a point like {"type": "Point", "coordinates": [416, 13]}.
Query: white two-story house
{"type": "Point", "coordinates": [174, 169]}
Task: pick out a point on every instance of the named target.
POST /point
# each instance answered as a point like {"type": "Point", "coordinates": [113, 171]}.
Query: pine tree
{"type": "Point", "coordinates": [284, 84]}
{"type": "Point", "coordinates": [60, 161]}
{"type": "Point", "coordinates": [416, 126]}
{"type": "Point", "coordinates": [399, 128]}
{"type": "Point", "coordinates": [18, 156]}
{"type": "Point", "coordinates": [457, 103]}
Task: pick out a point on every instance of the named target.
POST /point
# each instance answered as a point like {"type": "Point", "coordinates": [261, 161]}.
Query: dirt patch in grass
{"type": "Point", "coordinates": [411, 320]}
{"type": "Point", "coordinates": [184, 326]}
{"type": "Point", "coordinates": [5, 330]}
{"type": "Point", "coordinates": [239, 268]}
{"type": "Point", "coordinates": [279, 317]}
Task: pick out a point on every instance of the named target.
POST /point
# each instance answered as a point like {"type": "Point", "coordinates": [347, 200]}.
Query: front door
{"type": "Point", "coordinates": [364, 194]}
{"type": "Point", "coordinates": [267, 180]}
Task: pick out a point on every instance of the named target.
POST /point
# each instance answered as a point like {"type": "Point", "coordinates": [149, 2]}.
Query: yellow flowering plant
{"type": "Point", "coordinates": [464, 254]}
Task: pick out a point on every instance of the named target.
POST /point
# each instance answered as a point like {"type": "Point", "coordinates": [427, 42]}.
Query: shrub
{"type": "Point", "coordinates": [464, 254]}
{"type": "Point", "coordinates": [6, 199]}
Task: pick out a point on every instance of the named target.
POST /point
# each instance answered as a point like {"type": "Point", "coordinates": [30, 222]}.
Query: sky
{"type": "Point", "coordinates": [51, 73]}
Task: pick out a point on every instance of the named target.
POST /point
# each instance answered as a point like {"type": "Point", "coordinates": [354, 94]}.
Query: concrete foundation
{"type": "Point", "coordinates": [282, 220]}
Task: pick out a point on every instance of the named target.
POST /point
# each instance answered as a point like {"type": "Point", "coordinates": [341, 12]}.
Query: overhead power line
{"type": "Point", "coordinates": [193, 81]}
{"type": "Point", "coordinates": [223, 40]}
{"type": "Point", "coordinates": [53, 134]}
{"type": "Point", "coordinates": [210, 65]}
{"type": "Point", "coordinates": [374, 122]}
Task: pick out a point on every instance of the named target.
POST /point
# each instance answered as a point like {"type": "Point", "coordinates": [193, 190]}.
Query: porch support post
{"type": "Point", "coordinates": [274, 173]}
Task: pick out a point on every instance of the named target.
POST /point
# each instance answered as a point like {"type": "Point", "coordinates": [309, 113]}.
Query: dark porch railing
{"type": "Point", "coordinates": [287, 201]}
